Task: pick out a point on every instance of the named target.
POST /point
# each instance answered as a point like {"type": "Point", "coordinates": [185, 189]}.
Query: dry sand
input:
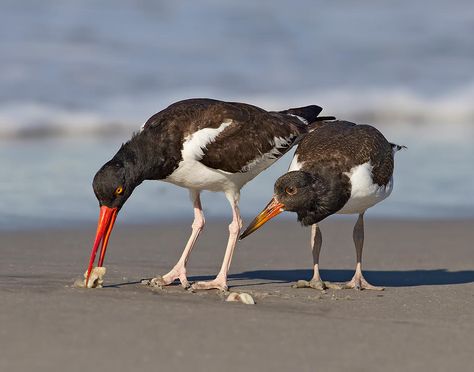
{"type": "Point", "coordinates": [423, 321]}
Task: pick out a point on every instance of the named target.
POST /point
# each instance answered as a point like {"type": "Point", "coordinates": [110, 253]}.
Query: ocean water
{"type": "Point", "coordinates": [78, 77]}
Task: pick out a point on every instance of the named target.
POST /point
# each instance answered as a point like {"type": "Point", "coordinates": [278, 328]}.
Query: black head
{"type": "Point", "coordinates": [112, 185]}
{"type": "Point", "coordinates": [310, 196]}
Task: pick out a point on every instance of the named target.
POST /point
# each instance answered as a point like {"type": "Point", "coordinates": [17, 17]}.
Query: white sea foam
{"type": "Point", "coordinates": [378, 107]}
{"type": "Point", "coordinates": [68, 70]}
{"type": "Point", "coordinates": [389, 105]}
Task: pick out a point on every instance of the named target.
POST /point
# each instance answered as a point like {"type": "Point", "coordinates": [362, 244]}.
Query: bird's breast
{"type": "Point", "coordinates": [195, 175]}
{"type": "Point", "coordinates": [364, 192]}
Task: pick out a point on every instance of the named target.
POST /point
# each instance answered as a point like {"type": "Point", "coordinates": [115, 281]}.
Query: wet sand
{"type": "Point", "coordinates": [424, 320]}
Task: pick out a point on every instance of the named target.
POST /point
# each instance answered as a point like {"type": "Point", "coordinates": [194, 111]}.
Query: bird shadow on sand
{"type": "Point", "coordinates": [402, 278]}
{"type": "Point", "coordinates": [118, 285]}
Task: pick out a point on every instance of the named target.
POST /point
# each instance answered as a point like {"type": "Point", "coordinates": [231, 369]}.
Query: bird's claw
{"type": "Point", "coordinates": [186, 285]}
{"type": "Point", "coordinates": [165, 280]}
{"type": "Point", "coordinates": [359, 283]}
{"type": "Point", "coordinates": [157, 282]}
{"type": "Point", "coordinates": [213, 284]}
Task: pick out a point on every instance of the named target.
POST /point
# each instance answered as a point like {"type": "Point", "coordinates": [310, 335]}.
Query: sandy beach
{"type": "Point", "coordinates": [79, 78]}
{"type": "Point", "coordinates": [422, 321]}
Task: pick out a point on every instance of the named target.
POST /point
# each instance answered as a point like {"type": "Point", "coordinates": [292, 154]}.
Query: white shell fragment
{"type": "Point", "coordinates": [245, 298]}
{"type": "Point", "coordinates": [95, 280]}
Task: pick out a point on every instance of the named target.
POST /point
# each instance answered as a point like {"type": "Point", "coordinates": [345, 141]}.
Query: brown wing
{"type": "Point", "coordinates": [251, 134]}
{"type": "Point", "coordinates": [250, 137]}
{"type": "Point", "coordinates": [342, 145]}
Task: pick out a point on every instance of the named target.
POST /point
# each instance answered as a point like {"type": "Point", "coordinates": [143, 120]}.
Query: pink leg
{"type": "Point", "coordinates": [179, 270]}
{"type": "Point", "coordinates": [316, 243]}
{"type": "Point", "coordinates": [220, 282]}
{"type": "Point", "coordinates": [358, 281]}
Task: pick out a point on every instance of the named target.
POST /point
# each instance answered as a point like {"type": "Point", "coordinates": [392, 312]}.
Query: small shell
{"type": "Point", "coordinates": [245, 298]}
{"type": "Point", "coordinates": [95, 280]}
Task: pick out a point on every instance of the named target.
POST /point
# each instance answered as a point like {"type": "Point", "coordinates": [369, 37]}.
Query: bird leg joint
{"type": "Point", "coordinates": [235, 226]}
{"type": "Point", "coordinates": [198, 223]}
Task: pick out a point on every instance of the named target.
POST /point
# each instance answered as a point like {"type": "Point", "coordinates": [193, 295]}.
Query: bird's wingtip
{"type": "Point", "coordinates": [308, 113]}
{"type": "Point", "coordinates": [396, 147]}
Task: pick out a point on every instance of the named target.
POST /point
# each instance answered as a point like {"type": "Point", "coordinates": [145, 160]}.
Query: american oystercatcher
{"type": "Point", "coordinates": [199, 144]}
{"type": "Point", "coordinates": [339, 167]}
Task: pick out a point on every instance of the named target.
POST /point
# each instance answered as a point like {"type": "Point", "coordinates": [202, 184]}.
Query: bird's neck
{"type": "Point", "coordinates": [148, 157]}
{"type": "Point", "coordinates": [337, 186]}
{"type": "Point", "coordinates": [333, 191]}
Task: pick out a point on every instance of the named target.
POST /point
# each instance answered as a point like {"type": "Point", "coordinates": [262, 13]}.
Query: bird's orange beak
{"type": "Point", "coordinates": [272, 209]}
{"type": "Point", "coordinates": [105, 225]}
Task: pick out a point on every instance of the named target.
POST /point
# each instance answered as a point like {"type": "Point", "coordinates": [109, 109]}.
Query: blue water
{"type": "Point", "coordinates": [78, 77]}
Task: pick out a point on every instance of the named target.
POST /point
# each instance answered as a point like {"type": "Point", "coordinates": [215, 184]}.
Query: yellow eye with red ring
{"type": "Point", "coordinates": [118, 191]}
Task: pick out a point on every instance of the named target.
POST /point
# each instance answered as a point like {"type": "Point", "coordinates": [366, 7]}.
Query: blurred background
{"type": "Point", "coordinates": [77, 78]}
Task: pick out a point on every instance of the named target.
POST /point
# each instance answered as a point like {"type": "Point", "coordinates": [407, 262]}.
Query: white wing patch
{"type": "Point", "coordinates": [265, 160]}
{"type": "Point", "coordinates": [364, 192]}
{"type": "Point", "coordinates": [295, 166]}
{"type": "Point", "coordinates": [195, 144]}
{"type": "Point", "coordinates": [191, 173]}
{"type": "Point", "coordinates": [303, 120]}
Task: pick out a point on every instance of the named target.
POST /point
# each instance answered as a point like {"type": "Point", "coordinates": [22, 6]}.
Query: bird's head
{"type": "Point", "coordinates": [310, 196]}
{"type": "Point", "coordinates": [112, 186]}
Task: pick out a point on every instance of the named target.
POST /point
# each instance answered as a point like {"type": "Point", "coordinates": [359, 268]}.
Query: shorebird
{"type": "Point", "coordinates": [199, 144]}
{"type": "Point", "coordinates": [339, 167]}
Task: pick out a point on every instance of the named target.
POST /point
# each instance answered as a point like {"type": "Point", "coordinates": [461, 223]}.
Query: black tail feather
{"type": "Point", "coordinates": [396, 147]}
{"type": "Point", "coordinates": [325, 118]}
{"type": "Point", "coordinates": [309, 113]}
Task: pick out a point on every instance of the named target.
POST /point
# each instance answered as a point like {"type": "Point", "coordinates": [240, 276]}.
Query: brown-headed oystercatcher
{"type": "Point", "coordinates": [339, 167]}
{"type": "Point", "coordinates": [199, 144]}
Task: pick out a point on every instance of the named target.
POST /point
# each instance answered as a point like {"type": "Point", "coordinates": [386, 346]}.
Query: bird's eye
{"type": "Point", "coordinates": [290, 190]}
{"type": "Point", "coordinates": [118, 191]}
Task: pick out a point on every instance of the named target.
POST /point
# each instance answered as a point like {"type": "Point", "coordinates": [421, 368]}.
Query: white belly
{"type": "Point", "coordinates": [192, 174]}
{"type": "Point", "coordinates": [195, 175]}
{"type": "Point", "coordinates": [364, 192]}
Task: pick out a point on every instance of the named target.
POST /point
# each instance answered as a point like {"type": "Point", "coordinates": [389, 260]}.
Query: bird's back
{"type": "Point", "coordinates": [226, 136]}
{"type": "Point", "coordinates": [344, 145]}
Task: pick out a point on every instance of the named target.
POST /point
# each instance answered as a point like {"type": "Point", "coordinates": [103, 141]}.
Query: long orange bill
{"type": "Point", "coordinates": [271, 210]}
{"type": "Point", "coordinates": [105, 225]}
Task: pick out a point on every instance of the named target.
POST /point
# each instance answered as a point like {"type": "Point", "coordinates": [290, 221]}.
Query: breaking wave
{"type": "Point", "coordinates": [31, 119]}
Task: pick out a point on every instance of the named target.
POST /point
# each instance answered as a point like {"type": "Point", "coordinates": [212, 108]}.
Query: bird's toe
{"type": "Point", "coordinates": [185, 283]}
{"type": "Point", "coordinates": [213, 284]}
{"type": "Point", "coordinates": [157, 282]}
{"type": "Point", "coordinates": [359, 283]}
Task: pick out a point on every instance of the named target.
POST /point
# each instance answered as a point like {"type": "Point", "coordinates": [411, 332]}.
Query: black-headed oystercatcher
{"type": "Point", "coordinates": [339, 167]}
{"type": "Point", "coordinates": [199, 144]}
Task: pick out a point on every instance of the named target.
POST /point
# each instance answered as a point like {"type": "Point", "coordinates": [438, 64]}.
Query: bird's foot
{"type": "Point", "coordinates": [218, 283]}
{"type": "Point", "coordinates": [358, 282]}
{"type": "Point", "coordinates": [313, 283]}
{"type": "Point", "coordinates": [316, 284]}
{"type": "Point", "coordinates": [167, 279]}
